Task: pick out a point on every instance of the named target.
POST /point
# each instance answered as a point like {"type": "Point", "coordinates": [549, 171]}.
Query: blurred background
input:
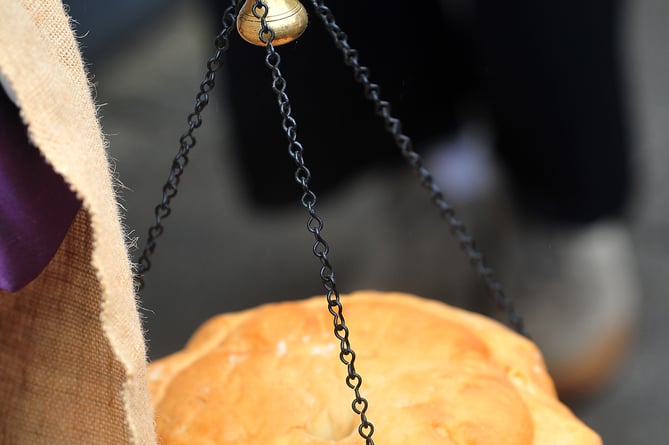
{"type": "Point", "coordinates": [545, 126]}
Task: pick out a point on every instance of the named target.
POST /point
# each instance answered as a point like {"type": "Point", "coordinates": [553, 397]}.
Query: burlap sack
{"type": "Point", "coordinates": [72, 353]}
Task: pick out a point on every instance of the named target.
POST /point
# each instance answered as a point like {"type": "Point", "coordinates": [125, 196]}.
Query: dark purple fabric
{"type": "Point", "coordinates": [36, 205]}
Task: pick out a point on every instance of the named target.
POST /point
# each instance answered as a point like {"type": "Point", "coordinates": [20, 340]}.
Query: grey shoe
{"type": "Point", "coordinates": [578, 293]}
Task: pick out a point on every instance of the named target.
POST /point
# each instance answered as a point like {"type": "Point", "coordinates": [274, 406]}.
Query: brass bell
{"type": "Point", "coordinates": [287, 18]}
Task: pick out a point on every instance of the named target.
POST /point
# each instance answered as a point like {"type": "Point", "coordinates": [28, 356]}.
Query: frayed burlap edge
{"type": "Point", "coordinates": [41, 62]}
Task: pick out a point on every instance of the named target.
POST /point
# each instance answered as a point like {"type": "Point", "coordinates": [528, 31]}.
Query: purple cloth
{"type": "Point", "coordinates": [36, 205]}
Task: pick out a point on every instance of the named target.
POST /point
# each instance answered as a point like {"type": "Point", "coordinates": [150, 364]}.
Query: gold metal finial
{"type": "Point", "coordinates": [287, 18]}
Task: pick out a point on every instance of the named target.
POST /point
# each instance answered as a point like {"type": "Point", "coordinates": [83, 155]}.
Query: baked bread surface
{"type": "Point", "coordinates": [432, 374]}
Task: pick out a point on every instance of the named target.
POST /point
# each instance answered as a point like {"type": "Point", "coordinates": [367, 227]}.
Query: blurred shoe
{"type": "Point", "coordinates": [575, 287]}
{"type": "Point", "coordinates": [578, 293]}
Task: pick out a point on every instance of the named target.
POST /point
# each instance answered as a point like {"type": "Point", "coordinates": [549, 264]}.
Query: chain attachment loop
{"type": "Point", "coordinates": [288, 20]}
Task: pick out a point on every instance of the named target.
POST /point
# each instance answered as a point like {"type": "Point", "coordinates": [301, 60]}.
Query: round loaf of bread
{"type": "Point", "coordinates": [432, 374]}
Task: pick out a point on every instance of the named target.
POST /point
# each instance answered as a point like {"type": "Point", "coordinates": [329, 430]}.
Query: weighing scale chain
{"type": "Point", "coordinates": [186, 143]}
{"type": "Point", "coordinates": [404, 143]}
{"type": "Point", "coordinates": [302, 176]}
{"type": "Point", "coordinates": [314, 225]}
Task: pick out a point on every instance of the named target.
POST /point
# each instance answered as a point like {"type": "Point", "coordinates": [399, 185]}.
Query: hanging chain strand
{"type": "Point", "coordinates": [186, 143]}
{"type": "Point", "coordinates": [315, 226]}
{"type": "Point", "coordinates": [404, 143]}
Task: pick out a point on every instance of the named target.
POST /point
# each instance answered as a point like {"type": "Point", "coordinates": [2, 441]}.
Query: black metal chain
{"type": "Point", "coordinates": [302, 176]}
{"type": "Point", "coordinates": [404, 143]}
{"type": "Point", "coordinates": [186, 143]}
{"type": "Point", "coordinates": [315, 226]}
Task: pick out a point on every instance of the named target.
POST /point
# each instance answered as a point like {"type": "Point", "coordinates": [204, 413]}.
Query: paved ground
{"type": "Point", "coordinates": [218, 254]}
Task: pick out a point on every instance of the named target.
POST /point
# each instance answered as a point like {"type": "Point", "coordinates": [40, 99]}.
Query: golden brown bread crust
{"type": "Point", "coordinates": [432, 374]}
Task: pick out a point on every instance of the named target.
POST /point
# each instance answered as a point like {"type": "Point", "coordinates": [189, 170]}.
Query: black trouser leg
{"type": "Point", "coordinates": [553, 77]}
{"type": "Point", "coordinates": [405, 49]}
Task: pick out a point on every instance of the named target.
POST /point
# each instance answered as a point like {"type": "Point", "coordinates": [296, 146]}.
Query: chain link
{"type": "Point", "coordinates": [404, 143]}
{"type": "Point", "coordinates": [315, 226]}
{"type": "Point", "coordinates": [186, 143]}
